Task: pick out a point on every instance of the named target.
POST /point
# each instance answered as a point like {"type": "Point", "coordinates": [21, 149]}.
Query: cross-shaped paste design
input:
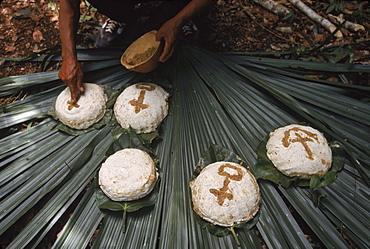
{"type": "Point", "coordinates": [139, 103]}
{"type": "Point", "coordinates": [221, 193]}
{"type": "Point", "coordinates": [300, 139]}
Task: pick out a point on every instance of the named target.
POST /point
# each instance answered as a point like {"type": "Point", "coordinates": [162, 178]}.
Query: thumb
{"type": "Point", "coordinates": [80, 86]}
{"type": "Point", "coordinates": [158, 36]}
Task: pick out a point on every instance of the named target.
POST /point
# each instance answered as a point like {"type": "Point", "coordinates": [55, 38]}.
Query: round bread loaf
{"type": "Point", "coordinates": [225, 193]}
{"type": "Point", "coordinates": [143, 106]}
{"type": "Point", "coordinates": [127, 175]}
{"type": "Point", "coordinates": [89, 109]}
{"type": "Point", "coordinates": [298, 150]}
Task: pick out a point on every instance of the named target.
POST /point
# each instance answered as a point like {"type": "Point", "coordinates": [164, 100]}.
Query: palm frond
{"type": "Point", "coordinates": [227, 99]}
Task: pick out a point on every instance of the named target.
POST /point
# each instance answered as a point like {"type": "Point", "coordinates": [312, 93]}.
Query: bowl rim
{"type": "Point", "coordinates": [123, 57]}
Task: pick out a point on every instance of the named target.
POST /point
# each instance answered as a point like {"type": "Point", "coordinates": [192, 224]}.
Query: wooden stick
{"type": "Point", "coordinates": [354, 27]}
{"type": "Point", "coordinates": [273, 6]}
{"type": "Point", "coordinates": [316, 17]}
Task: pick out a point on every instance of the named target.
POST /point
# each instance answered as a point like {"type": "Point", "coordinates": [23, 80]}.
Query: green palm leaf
{"type": "Point", "coordinates": [226, 99]}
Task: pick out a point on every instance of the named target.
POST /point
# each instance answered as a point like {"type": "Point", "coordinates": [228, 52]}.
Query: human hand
{"type": "Point", "coordinates": [169, 32]}
{"type": "Point", "coordinates": [71, 74]}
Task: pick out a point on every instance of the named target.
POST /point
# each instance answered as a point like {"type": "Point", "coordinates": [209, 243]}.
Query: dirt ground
{"type": "Point", "coordinates": [31, 26]}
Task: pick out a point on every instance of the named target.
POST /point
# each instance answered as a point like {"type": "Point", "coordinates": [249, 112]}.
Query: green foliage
{"type": "Point", "coordinates": [228, 99]}
{"type": "Point", "coordinates": [322, 52]}
{"type": "Point", "coordinates": [87, 16]}
{"type": "Point", "coordinates": [264, 168]}
{"type": "Point", "coordinates": [22, 14]}
{"type": "Point", "coordinates": [127, 138]}
{"type": "Point", "coordinates": [337, 54]}
{"type": "Point", "coordinates": [291, 17]}
{"type": "Point", "coordinates": [90, 7]}
{"type": "Point", "coordinates": [52, 5]}
{"type": "Point", "coordinates": [327, 179]}
{"type": "Point", "coordinates": [216, 153]}
{"type": "Point", "coordinates": [360, 12]}
{"type": "Point", "coordinates": [335, 6]}
{"type": "Point", "coordinates": [84, 18]}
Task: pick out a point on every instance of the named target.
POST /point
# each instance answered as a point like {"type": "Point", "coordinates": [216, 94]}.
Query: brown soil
{"type": "Point", "coordinates": [31, 26]}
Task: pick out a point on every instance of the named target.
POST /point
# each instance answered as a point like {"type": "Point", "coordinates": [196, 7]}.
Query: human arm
{"type": "Point", "coordinates": [170, 30]}
{"type": "Point", "coordinates": [70, 72]}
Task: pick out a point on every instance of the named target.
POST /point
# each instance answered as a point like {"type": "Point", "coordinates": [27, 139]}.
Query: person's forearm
{"type": "Point", "coordinates": [193, 8]}
{"type": "Point", "coordinates": [68, 23]}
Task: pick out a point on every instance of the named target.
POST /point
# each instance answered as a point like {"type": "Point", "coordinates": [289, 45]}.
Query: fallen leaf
{"type": "Point", "coordinates": [299, 35]}
{"type": "Point", "coordinates": [37, 36]}
{"type": "Point", "coordinates": [10, 49]}
{"type": "Point", "coordinates": [22, 14]}
{"type": "Point", "coordinates": [348, 11]}
{"type": "Point", "coordinates": [36, 49]}
{"type": "Point", "coordinates": [251, 39]}
{"type": "Point", "coordinates": [276, 48]}
{"type": "Point", "coordinates": [287, 30]}
{"type": "Point", "coordinates": [306, 44]}
{"type": "Point", "coordinates": [55, 18]}
{"type": "Point", "coordinates": [35, 17]}
{"type": "Point", "coordinates": [334, 79]}
{"type": "Point", "coordinates": [320, 37]}
{"type": "Point", "coordinates": [6, 11]}
{"type": "Point", "coordinates": [361, 54]}
{"type": "Point", "coordinates": [312, 76]}
{"type": "Point", "coordinates": [352, 6]}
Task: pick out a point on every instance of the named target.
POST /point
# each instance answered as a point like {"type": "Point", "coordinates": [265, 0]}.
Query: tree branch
{"type": "Point", "coordinates": [273, 6]}
{"type": "Point", "coordinates": [354, 27]}
{"type": "Point", "coordinates": [316, 17]}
